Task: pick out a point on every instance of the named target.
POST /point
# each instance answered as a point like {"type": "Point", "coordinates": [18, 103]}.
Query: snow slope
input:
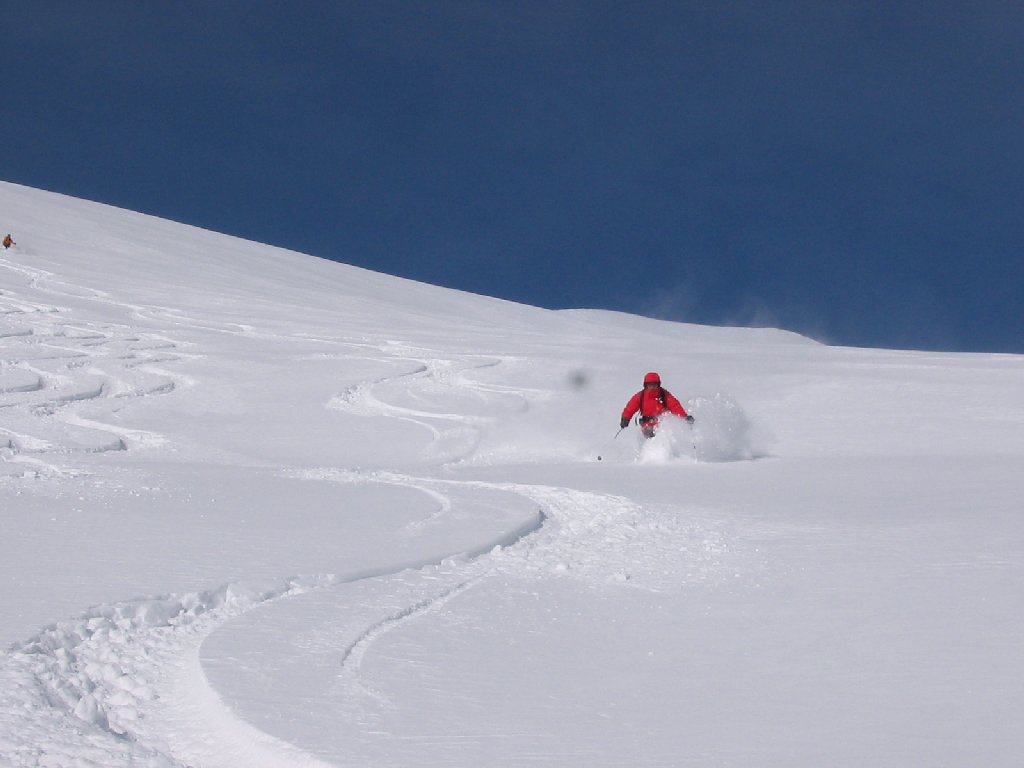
{"type": "Point", "coordinates": [265, 509]}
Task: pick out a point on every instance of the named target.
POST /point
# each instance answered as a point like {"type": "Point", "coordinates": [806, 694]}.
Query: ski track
{"type": "Point", "coordinates": [352, 656]}
{"type": "Point", "coordinates": [428, 383]}
{"type": "Point", "coordinates": [60, 381]}
{"type": "Point", "coordinates": [599, 540]}
{"type": "Point", "coordinates": [122, 685]}
{"type": "Point", "coordinates": [123, 682]}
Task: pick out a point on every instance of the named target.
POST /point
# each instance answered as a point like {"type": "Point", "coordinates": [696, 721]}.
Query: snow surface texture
{"type": "Point", "coordinates": [262, 509]}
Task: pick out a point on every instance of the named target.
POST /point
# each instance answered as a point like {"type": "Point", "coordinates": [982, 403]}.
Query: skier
{"type": "Point", "coordinates": [8, 241]}
{"type": "Point", "coordinates": [652, 402]}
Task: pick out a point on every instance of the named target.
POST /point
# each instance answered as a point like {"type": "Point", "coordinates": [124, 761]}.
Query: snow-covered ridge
{"type": "Point", "coordinates": [324, 516]}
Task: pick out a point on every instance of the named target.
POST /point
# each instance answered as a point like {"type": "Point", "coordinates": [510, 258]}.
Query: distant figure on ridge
{"type": "Point", "coordinates": [8, 241]}
{"type": "Point", "coordinates": [652, 402]}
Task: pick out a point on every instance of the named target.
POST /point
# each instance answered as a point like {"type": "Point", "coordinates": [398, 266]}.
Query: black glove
{"type": "Point", "coordinates": [623, 422]}
{"type": "Point", "coordinates": [689, 419]}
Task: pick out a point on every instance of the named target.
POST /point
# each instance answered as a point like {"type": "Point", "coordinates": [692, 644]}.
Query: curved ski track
{"type": "Point", "coordinates": [60, 383]}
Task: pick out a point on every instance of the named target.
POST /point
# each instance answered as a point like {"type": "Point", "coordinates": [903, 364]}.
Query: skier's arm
{"type": "Point", "coordinates": [674, 406]}
{"type": "Point", "coordinates": [631, 407]}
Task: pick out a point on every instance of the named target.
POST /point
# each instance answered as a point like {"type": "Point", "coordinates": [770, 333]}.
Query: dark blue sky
{"type": "Point", "coordinates": [850, 170]}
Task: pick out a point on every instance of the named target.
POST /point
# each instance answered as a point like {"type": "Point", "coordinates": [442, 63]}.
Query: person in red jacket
{"type": "Point", "coordinates": [652, 402]}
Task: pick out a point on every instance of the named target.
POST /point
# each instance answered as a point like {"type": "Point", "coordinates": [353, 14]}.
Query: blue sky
{"type": "Point", "coordinates": [853, 171]}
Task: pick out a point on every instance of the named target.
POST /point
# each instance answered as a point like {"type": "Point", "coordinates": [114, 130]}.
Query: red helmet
{"type": "Point", "coordinates": [652, 378]}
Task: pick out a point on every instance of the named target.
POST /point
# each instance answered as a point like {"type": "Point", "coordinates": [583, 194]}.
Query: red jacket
{"type": "Point", "coordinates": [652, 404]}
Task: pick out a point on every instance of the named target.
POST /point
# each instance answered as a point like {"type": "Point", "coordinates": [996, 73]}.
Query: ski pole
{"type": "Point", "coordinates": [616, 435]}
